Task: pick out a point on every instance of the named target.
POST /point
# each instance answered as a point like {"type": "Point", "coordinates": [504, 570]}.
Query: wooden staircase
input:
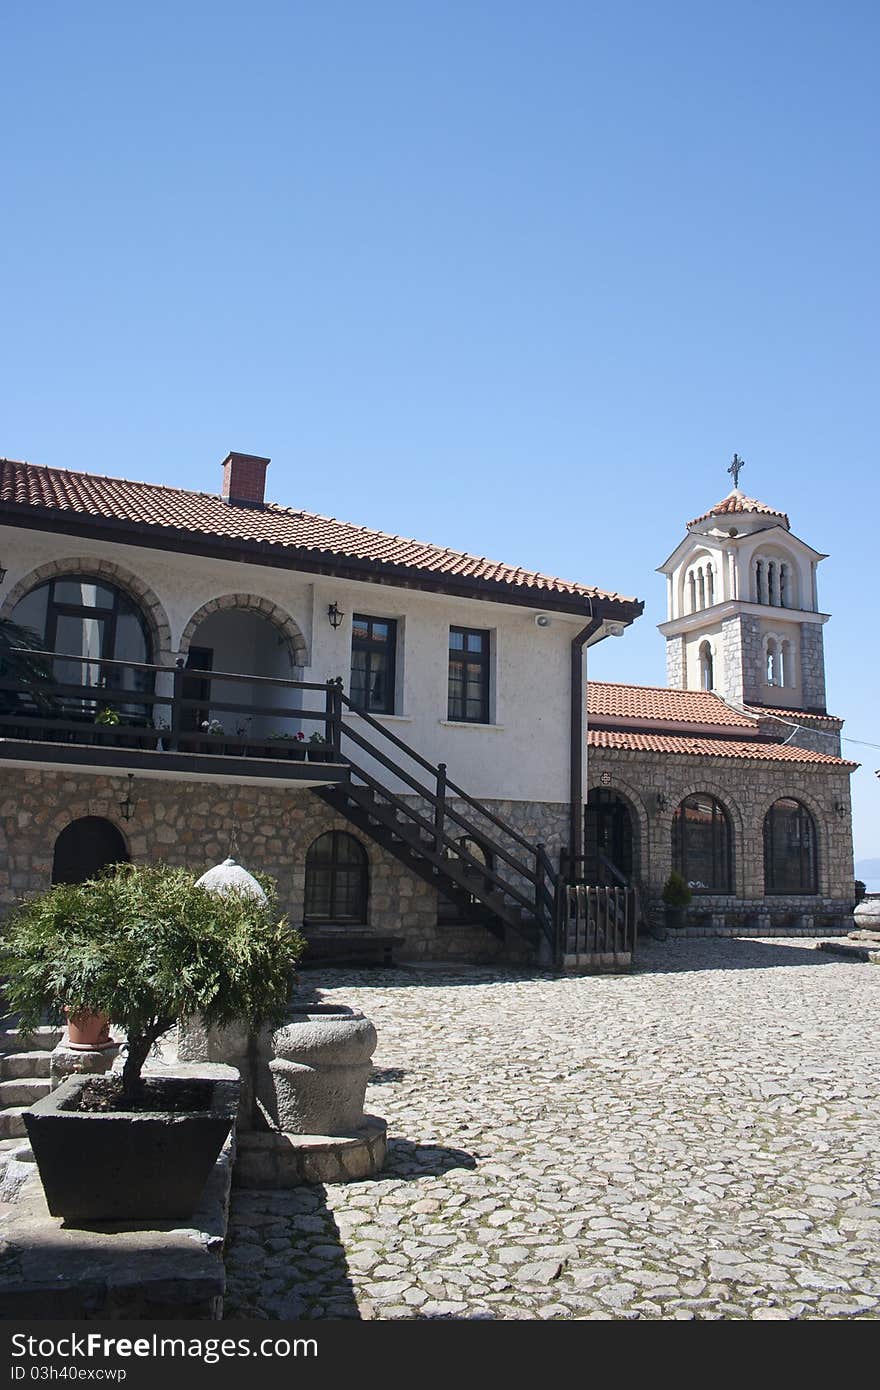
{"type": "Point", "coordinates": [424, 825]}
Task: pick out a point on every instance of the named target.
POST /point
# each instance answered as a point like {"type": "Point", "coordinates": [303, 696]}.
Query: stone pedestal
{"type": "Point", "coordinates": [288, 1160]}
{"type": "Point", "coordinates": [70, 1059]}
{"type": "Point", "coordinates": [316, 1080]}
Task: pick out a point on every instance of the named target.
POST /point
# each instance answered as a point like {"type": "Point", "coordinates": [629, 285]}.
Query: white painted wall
{"type": "Point", "coordinates": [523, 755]}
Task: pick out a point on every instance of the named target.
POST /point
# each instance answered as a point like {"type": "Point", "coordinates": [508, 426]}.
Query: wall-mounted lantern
{"type": "Point", "coordinates": [128, 803]}
{"type": "Point", "coordinates": [334, 615]}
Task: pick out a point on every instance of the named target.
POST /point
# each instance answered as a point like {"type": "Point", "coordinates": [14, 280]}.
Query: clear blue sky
{"type": "Point", "coordinates": [512, 277]}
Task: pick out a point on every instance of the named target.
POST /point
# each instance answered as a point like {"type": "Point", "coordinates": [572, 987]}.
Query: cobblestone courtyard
{"type": "Point", "coordinates": [699, 1140]}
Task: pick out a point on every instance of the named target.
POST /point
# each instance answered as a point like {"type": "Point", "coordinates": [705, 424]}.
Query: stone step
{"type": "Point", "coordinates": [43, 1038]}
{"type": "Point", "coordinates": [16, 1064]}
{"type": "Point", "coordinates": [11, 1122]}
{"type": "Point", "coordinates": [24, 1090]}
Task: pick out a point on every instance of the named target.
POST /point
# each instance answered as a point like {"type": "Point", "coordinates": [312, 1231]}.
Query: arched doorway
{"type": "Point", "coordinates": [85, 848]}
{"type": "Point", "coordinates": [608, 837]}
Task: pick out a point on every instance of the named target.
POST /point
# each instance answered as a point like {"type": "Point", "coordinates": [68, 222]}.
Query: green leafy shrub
{"type": "Point", "coordinates": [146, 946]}
{"type": "Point", "coordinates": [676, 893]}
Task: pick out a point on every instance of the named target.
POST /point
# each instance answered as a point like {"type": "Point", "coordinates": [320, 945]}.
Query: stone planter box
{"type": "Point", "coordinates": [129, 1165]}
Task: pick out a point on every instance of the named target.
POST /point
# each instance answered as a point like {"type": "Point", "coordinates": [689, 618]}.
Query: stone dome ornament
{"type": "Point", "coordinates": [230, 877]}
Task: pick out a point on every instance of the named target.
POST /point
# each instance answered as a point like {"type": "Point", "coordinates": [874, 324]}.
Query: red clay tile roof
{"type": "Point", "coordinates": [738, 502]}
{"type": "Point", "coordinates": [150, 505]}
{"type": "Point", "coordinates": [709, 747]}
{"type": "Point", "coordinates": [659, 702]}
{"type": "Point", "coordinates": [796, 716]}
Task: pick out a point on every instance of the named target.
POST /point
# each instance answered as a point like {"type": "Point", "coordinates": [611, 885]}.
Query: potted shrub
{"type": "Point", "coordinates": [676, 897]}
{"type": "Point", "coordinates": [146, 946]}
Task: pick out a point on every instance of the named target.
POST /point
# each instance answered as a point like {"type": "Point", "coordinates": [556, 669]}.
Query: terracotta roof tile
{"type": "Point", "coordinates": [737, 502]}
{"type": "Point", "coordinates": [709, 747]}
{"type": "Point", "coordinates": [607, 698]}
{"type": "Point", "coordinates": [796, 716]}
{"type": "Point", "coordinates": [90, 495]}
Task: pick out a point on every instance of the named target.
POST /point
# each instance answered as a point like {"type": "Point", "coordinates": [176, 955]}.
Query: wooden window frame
{"type": "Point", "coordinates": [373, 646]}
{"type": "Point", "coordinates": [481, 659]}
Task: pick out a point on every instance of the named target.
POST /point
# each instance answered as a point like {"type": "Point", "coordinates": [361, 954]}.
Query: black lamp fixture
{"type": "Point", "coordinates": [127, 804]}
{"type": "Point", "coordinates": [660, 801]}
{"type": "Point", "coordinates": [840, 809]}
{"type": "Point", "coordinates": [334, 615]}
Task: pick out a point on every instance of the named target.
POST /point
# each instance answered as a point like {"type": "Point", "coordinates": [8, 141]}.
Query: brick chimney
{"type": "Point", "coordinates": [244, 478]}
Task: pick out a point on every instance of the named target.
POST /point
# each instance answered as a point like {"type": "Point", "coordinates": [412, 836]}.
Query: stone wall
{"type": "Point", "coordinates": [813, 666]}
{"type": "Point", "coordinates": [195, 824]}
{"type": "Point", "coordinates": [675, 662]}
{"type": "Point", "coordinates": [747, 787]}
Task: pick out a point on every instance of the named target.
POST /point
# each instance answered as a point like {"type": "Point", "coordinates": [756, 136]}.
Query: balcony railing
{"type": "Point", "coordinates": [109, 703]}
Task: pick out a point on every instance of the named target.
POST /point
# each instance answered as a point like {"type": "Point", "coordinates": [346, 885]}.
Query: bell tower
{"type": "Point", "coordinates": [742, 608]}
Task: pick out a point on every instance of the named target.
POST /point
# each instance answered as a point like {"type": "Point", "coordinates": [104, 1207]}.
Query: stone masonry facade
{"type": "Point", "coordinates": [196, 824]}
{"type": "Point", "coordinates": [746, 787]}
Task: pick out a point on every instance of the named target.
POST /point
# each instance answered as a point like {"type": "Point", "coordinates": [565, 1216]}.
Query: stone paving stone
{"type": "Point", "coordinates": [696, 1140]}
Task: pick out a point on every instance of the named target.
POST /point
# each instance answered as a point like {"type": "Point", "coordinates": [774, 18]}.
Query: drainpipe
{"type": "Point", "coordinates": [578, 693]}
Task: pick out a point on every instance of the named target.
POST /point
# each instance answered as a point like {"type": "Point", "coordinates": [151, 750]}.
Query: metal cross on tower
{"type": "Point", "coordinates": [735, 469]}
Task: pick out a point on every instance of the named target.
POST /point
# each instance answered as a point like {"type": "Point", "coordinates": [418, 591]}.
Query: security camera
{"type": "Point", "coordinates": [541, 620]}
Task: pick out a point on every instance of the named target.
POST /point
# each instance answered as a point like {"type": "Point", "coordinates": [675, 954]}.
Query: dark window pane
{"type": "Point", "coordinates": [372, 664]}
{"type": "Point", "coordinates": [701, 845]}
{"type": "Point", "coordinates": [790, 863]}
{"type": "Point", "coordinates": [468, 675]}
{"type": "Point", "coordinates": [336, 880]}
{"type": "Point", "coordinates": [85, 593]}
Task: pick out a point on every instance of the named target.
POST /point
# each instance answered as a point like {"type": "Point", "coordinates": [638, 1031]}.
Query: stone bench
{"type": "Point", "coordinates": [349, 948]}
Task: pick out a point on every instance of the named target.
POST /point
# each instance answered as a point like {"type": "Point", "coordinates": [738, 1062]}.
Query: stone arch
{"type": "Point", "coordinates": [706, 787]}
{"type": "Point", "coordinates": [820, 821]}
{"type": "Point", "coordinates": [262, 607]}
{"type": "Point", "coordinates": [138, 591]}
{"type": "Point", "coordinates": [638, 814]}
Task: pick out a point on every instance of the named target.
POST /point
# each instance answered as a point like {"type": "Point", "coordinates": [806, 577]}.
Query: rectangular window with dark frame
{"type": "Point", "coordinates": [373, 649]}
{"type": "Point", "coordinates": [469, 675]}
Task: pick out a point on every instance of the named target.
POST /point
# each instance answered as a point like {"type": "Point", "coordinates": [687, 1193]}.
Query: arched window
{"type": "Point", "coordinates": [707, 666]}
{"type": "Point", "coordinates": [692, 586]}
{"type": "Point", "coordinates": [451, 910]}
{"type": "Point", "coordinates": [759, 581]}
{"type": "Point", "coordinates": [773, 672]}
{"type": "Point", "coordinates": [710, 583]}
{"type": "Point", "coordinates": [81, 616]}
{"type": "Point", "coordinates": [701, 850]}
{"type": "Point", "coordinates": [771, 583]}
{"type": "Point", "coordinates": [786, 669]}
{"type": "Point", "coordinates": [85, 848]}
{"type": "Point", "coordinates": [790, 864]}
{"type": "Point", "coordinates": [783, 586]}
{"type": "Point", "coordinates": [337, 880]}
{"type": "Point", "coordinates": [701, 580]}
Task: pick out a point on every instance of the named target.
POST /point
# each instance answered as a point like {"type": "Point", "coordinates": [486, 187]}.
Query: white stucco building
{"type": "Point", "coordinates": [212, 640]}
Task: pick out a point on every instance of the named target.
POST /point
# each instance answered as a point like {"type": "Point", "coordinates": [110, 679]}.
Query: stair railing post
{"type": "Point", "coordinates": [176, 697]}
{"type": "Point", "coordinates": [440, 808]}
{"type": "Point", "coordinates": [540, 874]}
{"type": "Point", "coordinates": [328, 712]}
{"type": "Point", "coordinates": [336, 706]}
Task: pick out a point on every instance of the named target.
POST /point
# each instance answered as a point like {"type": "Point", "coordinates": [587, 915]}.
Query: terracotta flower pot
{"type": "Point", "coordinates": [88, 1030]}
